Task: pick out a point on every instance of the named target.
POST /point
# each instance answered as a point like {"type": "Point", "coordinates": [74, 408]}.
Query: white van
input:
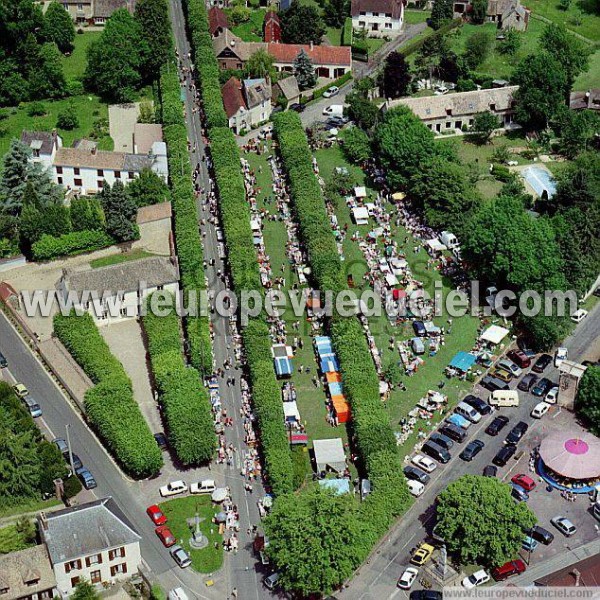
{"type": "Point", "coordinates": [504, 398]}
{"type": "Point", "coordinates": [468, 412]}
{"type": "Point", "coordinates": [177, 594]}
{"type": "Point", "coordinates": [203, 487]}
{"type": "Point", "coordinates": [335, 110]}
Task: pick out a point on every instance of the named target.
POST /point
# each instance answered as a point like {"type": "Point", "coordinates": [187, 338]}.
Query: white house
{"type": "Point", "coordinates": [246, 103]}
{"type": "Point", "coordinates": [86, 169]}
{"type": "Point", "coordinates": [378, 17]}
{"type": "Point", "coordinates": [93, 541]}
{"type": "Point", "coordinates": [43, 146]}
{"type": "Point", "coordinates": [116, 292]}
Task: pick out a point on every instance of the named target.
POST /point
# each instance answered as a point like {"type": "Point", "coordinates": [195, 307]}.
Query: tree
{"type": "Point", "coordinates": [477, 49]}
{"type": "Point", "coordinates": [304, 71]}
{"type": "Point", "coordinates": [84, 590]}
{"type": "Point", "coordinates": [441, 13]}
{"type": "Point", "coordinates": [148, 189]}
{"type": "Point", "coordinates": [362, 111]}
{"type": "Point", "coordinates": [480, 522]}
{"type": "Point", "coordinates": [429, 57]}
{"type": "Point", "coordinates": [478, 11]}
{"type": "Point", "coordinates": [68, 118]}
{"type": "Point", "coordinates": [336, 12]}
{"type": "Point", "coordinates": [48, 79]}
{"type": "Point", "coordinates": [543, 89]}
{"type": "Point", "coordinates": [396, 76]}
{"type": "Point", "coordinates": [155, 24]}
{"type": "Point", "coordinates": [572, 53]}
{"type": "Point", "coordinates": [19, 464]}
{"type": "Point", "coordinates": [58, 27]}
{"type": "Point", "coordinates": [403, 143]}
{"type": "Point", "coordinates": [87, 214]}
{"type": "Point", "coordinates": [302, 24]}
{"type": "Point", "coordinates": [577, 129]}
{"type": "Point", "coordinates": [356, 145]}
{"type": "Point", "coordinates": [260, 64]}
{"type": "Point", "coordinates": [117, 59]}
{"type": "Point", "coordinates": [120, 212]}
{"type": "Point", "coordinates": [324, 522]}
{"type": "Point", "coordinates": [25, 527]}
{"type": "Point", "coordinates": [484, 125]}
{"type": "Point", "coordinates": [588, 398]}
{"type": "Point", "coordinates": [511, 43]}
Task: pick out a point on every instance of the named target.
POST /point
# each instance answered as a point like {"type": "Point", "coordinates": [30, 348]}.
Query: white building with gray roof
{"type": "Point", "coordinates": [93, 542]}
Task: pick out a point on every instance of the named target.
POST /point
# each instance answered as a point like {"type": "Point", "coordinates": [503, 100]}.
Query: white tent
{"type": "Point", "coordinates": [360, 215]}
{"type": "Point", "coordinates": [434, 245]}
{"type": "Point", "coordinates": [360, 192]}
{"type": "Point", "coordinates": [329, 454]}
{"type": "Point", "coordinates": [494, 334]}
{"type": "Point", "coordinates": [391, 279]}
{"type": "Point", "coordinates": [291, 412]}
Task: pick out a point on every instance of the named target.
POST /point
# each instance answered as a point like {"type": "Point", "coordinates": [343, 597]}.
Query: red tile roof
{"type": "Point", "coordinates": [379, 6]}
{"type": "Point", "coordinates": [589, 574]}
{"type": "Point", "coordinates": [217, 19]}
{"type": "Point", "coordinates": [320, 55]}
{"type": "Point", "coordinates": [233, 99]}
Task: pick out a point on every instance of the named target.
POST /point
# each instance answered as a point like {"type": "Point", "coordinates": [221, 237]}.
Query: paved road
{"type": "Point", "coordinates": [377, 578]}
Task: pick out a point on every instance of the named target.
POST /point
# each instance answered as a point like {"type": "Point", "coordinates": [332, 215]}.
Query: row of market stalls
{"type": "Point", "coordinates": [339, 409]}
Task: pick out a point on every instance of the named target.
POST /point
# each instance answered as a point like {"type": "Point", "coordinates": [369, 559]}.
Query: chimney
{"type": "Point", "coordinates": [577, 574]}
{"type": "Point", "coordinates": [94, 149]}
{"type": "Point", "coordinates": [43, 521]}
{"type": "Point", "coordinates": [311, 45]}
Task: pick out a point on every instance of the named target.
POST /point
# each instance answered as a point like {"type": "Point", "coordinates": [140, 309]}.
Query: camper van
{"type": "Point", "coordinates": [335, 110]}
{"type": "Point", "coordinates": [448, 239]}
{"type": "Point", "coordinates": [468, 412]}
{"type": "Point", "coordinates": [504, 398]}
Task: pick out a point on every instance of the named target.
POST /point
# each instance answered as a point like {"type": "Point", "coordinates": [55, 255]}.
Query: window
{"type": "Point", "coordinates": [117, 174]}
{"type": "Point", "coordinates": [72, 565]}
{"type": "Point", "coordinates": [131, 174]}
{"type": "Point", "coordinates": [100, 172]}
{"type": "Point", "coordinates": [388, 15]}
{"type": "Point", "coordinates": [388, 25]}
{"type": "Point", "coordinates": [449, 112]}
{"type": "Point", "coordinates": [123, 312]}
{"type": "Point", "coordinates": [122, 568]}
{"type": "Point", "coordinates": [76, 170]}
{"type": "Point", "coordinates": [117, 552]}
{"type": "Point", "coordinates": [361, 23]}
{"type": "Point", "coordinates": [74, 581]}
{"type": "Point", "coordinates": [100, 184]}
{"type": "Point", "coordinates": [59, 180]}
{"type": "Point", "coordinates": [46, 595]}
{"type": "Point", "coordinates": [59, 170]}
{"type": "Point", "coordinates": [448, 124]}
{"type": "Point", "coordinates": [96, 576]}
{"type": "Point", "coordinates": [36, 153]}
{"type": "Point", "coordinates": [80, 7]}
{"type": "Point", "coordinates": [492, 107]}
{"type": "Point", "coordinates": [78, 182]}
{"type": "Point", "coordinates": [362, 13]}
{"type": "Point", "coordinates": [95, 559]}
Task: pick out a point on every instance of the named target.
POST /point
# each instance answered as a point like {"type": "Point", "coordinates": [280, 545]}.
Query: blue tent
{"type": "Point", "coordinates": [323, 345]}
{"type": "Point", "coordinates": [329, 364]}
{"type": "Point", "coordinates": [458, 420]}
{"type": "Point", "coordinates": [339, 486]}
{"type": "Point", "coordinates": [463, 361]}
{"type": "Point", "coordinates": [283, 366]}
{"type": "Point", "coordinates": [335, 388]}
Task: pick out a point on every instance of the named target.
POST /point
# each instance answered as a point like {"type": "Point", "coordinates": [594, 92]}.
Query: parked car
{"type": "Point", "coordinates": [552, 395]}
{"type": "Point", "coordinates": [407, 578]}
{"type": "Point", "coordinates": [564, 525]}
{"type": "Point", "coordinates": [519, 358]}
{"type": "Point", "coordinates": [20, 390]}
{"type": "Point", "coordinates": [423, 462]}
{"type": "Point", "coordinates": [173, 488]}
{"type": "Point", "coordinates": [501, 374]}
{"type": "Point", "coordinates": [441, 440]}
{"type": "Point", "coordinates": [478, 578]}
{"type": "Point", "coordinates": [497, 425]}
{"type": "Point", "coordinates": [541, 535]}
{"type": "Point", "coordinates": [3, 361]}
{"type": "Point", "coordinates": [416, 488]}
{"type": "Point", "coordinates": [297, 107]}
{"type": "Point", "coordinates": [271, 580]}
{"type": "Point", "coordinates": [516, 433]}
{"type": "Point", "coordinates": [180, 556]}
{"type": "Point", "coordinates": [457, 434]}
{"type": "Point", "coordinates": [422, 554]}
{"type": "Point", "coordinates": [161, 440]}
{"type": "Point", "coordinates": [539, 366]}
{"type": "Point", "coordinates": [473, 448]}
{"type": "Point", "coordinates": [543, 386]}
{"type": "Point", "coordinates": [493, 383]}
{"type": "Point", "coordinates": [157, 516]}
{"type": "Point", "coordinates": [518, 493]}
{"type": "Point", "coordinates": [504, 455]}
{"type": "Point", "coordinates": [437, 452]}
{"type": "Point", "coordinates": [411, 472]}
{"type": "Point", "coordinates": [579, 315]}
{"type": "Point", "coordinates": [35, 410]}
{"type": "Point", "coordinates": [207, 486]}
{"type": "Point", "coordinates": [510, 366]}
{"type": "Point", "coordinates": [77, 464]}
{"type": "Point", "coordinates": [527, 381]}
{"type": "Point", "coordinates": [524, 481]}
{"type": "Point", "coordinates": [478, 404]}
{"type": "Point", "coordinates": [512, 567]}
{"type": "Point", "coordinates": [426, 595]}
{"type": "Point", "coordinates": [331, 91]}
{"type": "Point", "coordinates": [419, 328]}
{"type": "Point", "coordinates": [87, 479]}
{"type": "Point", "coordinates": [540, 409]}
{"type": "Point", "coordinates": [560, 355]}
{"type": "Point", "coordinates": [529, 544]}
{"type": "Point", "coordinates": [165, 536]}
{"type": "Point", "coordinates": [62, 445]}
{"type": "Point", "coordinates": [459, 421]}
{"type": "Point", "coordinates": [490, 471]}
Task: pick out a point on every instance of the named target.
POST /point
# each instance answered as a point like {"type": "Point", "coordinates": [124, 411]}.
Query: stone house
{"type": "Point", "coordinates": [246, 103]}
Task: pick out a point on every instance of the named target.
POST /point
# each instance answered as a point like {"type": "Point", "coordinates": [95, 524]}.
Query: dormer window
{"type": "Point", "coordinates": [449, 112]}
{"type": "Point", "coordinates": [492, 106]}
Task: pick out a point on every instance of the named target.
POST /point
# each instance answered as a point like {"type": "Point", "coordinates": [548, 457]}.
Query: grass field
{"type": "Point", "coordinates": [251, 31]}
{"type": "Point", "coordinates": [116, 259]}
{"type": "Point", "coordinates": [88, 107]}
{"type": "Point", "coordinates": [74, 65]}
{"type": "Point", "coordinates": [12, 541]}
{"type": "Point", "coordinates": [585, 11]}
{"type": "Point", "coordinates": [334, 35]}
{"type": "Point", "coordinates": [591, 78]}
{"type": "Point", "coordinates": [411, 17]}
{"type": "Point", "coordinates": [209, 559]}
{"type": "Point", "coordinates": [29, 506]}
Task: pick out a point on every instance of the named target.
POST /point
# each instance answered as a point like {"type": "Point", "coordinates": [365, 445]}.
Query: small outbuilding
{"type": "Point", "coordinates": [330, 455]}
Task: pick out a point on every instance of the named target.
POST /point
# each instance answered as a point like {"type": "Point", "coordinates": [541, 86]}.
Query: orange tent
{"type": "Point", "coordinates": [342, 409]}
{"type": "Point", "coordinates": [333, 377]}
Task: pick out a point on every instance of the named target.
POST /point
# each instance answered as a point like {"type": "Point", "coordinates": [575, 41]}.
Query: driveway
{"type": "Point", "coordinates": [121, 122]}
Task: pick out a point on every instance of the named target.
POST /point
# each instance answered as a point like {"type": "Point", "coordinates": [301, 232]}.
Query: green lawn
{"type": "Point", "coordinates": [75, 64]}
{"type": "Point", "coordinates": [584, 10]}
{"type": "Point", "coordinates": [115, 259]}
{"type": "Point", "coordinates": [411, 17]}
{"type": "Point", "coordinates": [89, 109]}
{"type": "Point", "coordinates": [12, 541]}
{"type": "Point", "coordinates": [591, 78]}
{"type": "Point", "coordinates": [375, 44]}
{"type": "Point", "coordinates": [334, 35]}
{"type": "Point", "coordinates": [28, 506]}
{"type": "Point", "coordinates": [209, 559]}
{"type": "Point", "coordinates": [251, 31]}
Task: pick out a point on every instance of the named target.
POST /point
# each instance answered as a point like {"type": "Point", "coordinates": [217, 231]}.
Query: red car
{"type": "Point", "coordinates": [165, 536]}
{"type": "Point", "coordinates": [520, 358]}
{"type": "Point", "coordinates": [524, 481]}
{"type": "Point", "coordinates": [513, 567]}
{"type": "Point", "coordinates": [156, 515]}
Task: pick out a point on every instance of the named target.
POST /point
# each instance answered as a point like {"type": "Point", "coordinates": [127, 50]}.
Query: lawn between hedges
{"type": "Point", "coordinates": [178, 511]}
{"type": "Point", "coordinates": [74, 64]}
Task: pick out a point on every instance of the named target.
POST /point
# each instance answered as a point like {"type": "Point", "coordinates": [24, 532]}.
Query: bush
{"type": "Point", "coordinates": [36, 109]}
{"type": "Point", "coordinates": [501, 173]}
{"type": "Point", "coordinates": [110, 406]}
{"type": "Point", "coordinates": [74, 87]}
{"type": "Point", "coordinates": [72, 486]}
{"type": "Point", "coordinates": [67, 118]}
{"type": "Point", "coordinates": [70, 244]}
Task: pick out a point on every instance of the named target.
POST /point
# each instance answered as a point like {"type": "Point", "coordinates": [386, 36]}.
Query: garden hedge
{"type": "Point", "coordinates": [347, 32]}
{"type": "Point", "coordinates": [49, 247]}
{"type": "Point", "coordinates": [110, 406]}
{"type": "Point", "coordinates": [185, 401]}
